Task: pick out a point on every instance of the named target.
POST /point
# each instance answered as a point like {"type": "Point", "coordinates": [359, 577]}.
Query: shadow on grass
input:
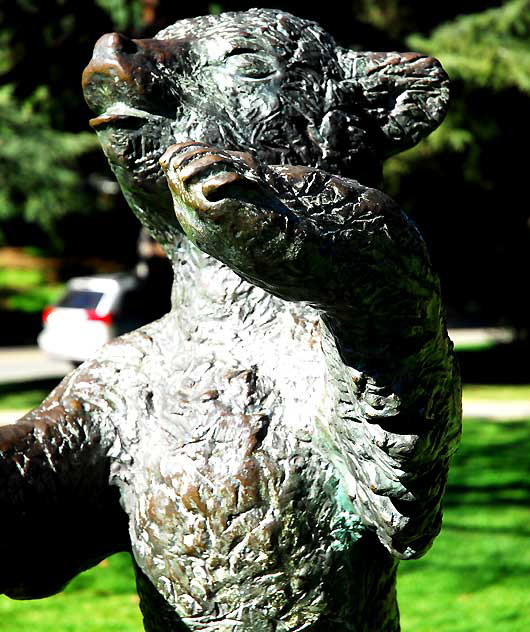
{"type": "Point", "coordinates": [502, 364]}
{"type": "Point", "coordinates": [483, 545]}
{"type": "Point", "coordinates": [492, 466]}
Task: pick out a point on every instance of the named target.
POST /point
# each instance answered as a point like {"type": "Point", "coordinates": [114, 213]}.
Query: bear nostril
{"type": "Point", "coordinates": [114, 45]}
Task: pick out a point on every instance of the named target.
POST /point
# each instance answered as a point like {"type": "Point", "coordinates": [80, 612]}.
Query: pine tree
{"type": "Point", "coordinates": [466, 184]}
{"type": "Point", "coordinates": [43, 131]}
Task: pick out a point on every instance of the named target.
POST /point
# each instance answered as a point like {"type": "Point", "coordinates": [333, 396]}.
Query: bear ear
{"type": "Point", "coordinates": [404, 94]}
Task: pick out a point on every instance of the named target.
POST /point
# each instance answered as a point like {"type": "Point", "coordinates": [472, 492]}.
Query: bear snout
{"type": "Point", "coordinates": [130, 71]}
{"type": "Point", "coordinates": [110, 73]}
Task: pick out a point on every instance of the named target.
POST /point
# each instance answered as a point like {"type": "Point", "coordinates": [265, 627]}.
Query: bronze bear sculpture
{"type": "Point", "coordinates": [273, 446]}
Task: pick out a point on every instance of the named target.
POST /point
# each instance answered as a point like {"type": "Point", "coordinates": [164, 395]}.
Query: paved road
{"type": "Point", "coordinates": [480, 337]}
{"type": "Point", "coordinates": [22, 364]}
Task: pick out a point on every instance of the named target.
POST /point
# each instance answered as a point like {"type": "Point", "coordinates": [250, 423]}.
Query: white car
{"type": "Point", "coordinates": [93, 311]}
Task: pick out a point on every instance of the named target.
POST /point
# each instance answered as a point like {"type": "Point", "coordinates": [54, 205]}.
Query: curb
{"type": "Point", "coordinates": [10, 416]}
{"type": "Point", "coordinates": [495, 410]}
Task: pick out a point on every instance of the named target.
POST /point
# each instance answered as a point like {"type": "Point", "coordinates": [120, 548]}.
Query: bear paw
{"type": "Point", "coordinates": [204, 175]}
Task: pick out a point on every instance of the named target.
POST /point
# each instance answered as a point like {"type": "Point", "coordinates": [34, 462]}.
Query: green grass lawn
{"type": "Point", "coordinates": [100, 600]}
{"type": "Point", "coordinates": [497, 392]}
{"type": "Point", "coordinates": [476, 577]}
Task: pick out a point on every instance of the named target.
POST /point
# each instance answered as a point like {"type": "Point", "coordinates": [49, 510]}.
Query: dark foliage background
{"type": "Point", "coordinates": [466, 186]}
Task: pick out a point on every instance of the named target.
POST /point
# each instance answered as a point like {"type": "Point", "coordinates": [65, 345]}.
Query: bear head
{"type": "Point", "coordinates": [262, 81]}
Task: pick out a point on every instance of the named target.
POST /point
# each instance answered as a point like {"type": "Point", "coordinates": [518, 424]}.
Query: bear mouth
{"type": "Point", "coordinates": [122, 116]}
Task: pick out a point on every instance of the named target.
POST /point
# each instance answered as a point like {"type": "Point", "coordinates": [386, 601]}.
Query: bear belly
{"type": "Point", "coordinates": [247, 548]}
{"type": "Point", "coordinates": [233, 513]}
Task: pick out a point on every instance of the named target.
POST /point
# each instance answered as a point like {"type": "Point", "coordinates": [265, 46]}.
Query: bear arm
{"type": "Point", "coordinates": [396, 431]}
{"type": "Point", "coordinates": [354, 255]}
{"type": "Point", "coordinates": [304, 235]}
{"type": "Point", "coordinates": [348, 249]}
{"type": "Point", "coordinates": [398, 389]}
{"type": "Point", "coordinates": [58, 514]}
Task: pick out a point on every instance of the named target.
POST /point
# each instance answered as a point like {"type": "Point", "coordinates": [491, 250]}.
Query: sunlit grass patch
{"type": "Point", "coordinates": [476, 576]}
{"type": "Point", "coordinates": [498, 392]}
{"type": "Point", "coordinates": [101, 600]}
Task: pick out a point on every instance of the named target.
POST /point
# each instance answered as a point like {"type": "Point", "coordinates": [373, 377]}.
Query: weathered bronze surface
{"type": "Point", "coordinates": [272, 447]}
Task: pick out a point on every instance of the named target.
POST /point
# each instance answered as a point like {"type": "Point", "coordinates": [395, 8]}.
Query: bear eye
{"type": "Point", "coordinates": [249, 63]}
{"type": "Point", "coordinates": [241, 51]}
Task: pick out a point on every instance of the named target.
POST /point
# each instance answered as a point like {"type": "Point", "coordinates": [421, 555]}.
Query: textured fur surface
{"type": "Point", "coordinates": [261, 81]}
{"type": "Point", "coordinates": [269, 449]}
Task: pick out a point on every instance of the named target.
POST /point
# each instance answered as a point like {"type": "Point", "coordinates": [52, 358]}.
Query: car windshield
{"type": "Point", "coordinates": [83, 299]}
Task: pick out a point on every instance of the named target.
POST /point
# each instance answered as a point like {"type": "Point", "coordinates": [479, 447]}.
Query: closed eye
{"type": "Point", "coordinates": [249, 63]}
{"type": "Point", "coordinates": [241, 51]}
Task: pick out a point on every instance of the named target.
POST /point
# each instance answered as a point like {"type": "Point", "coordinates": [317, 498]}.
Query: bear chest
{"type": "Point", "coordinates": [229, 504]}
